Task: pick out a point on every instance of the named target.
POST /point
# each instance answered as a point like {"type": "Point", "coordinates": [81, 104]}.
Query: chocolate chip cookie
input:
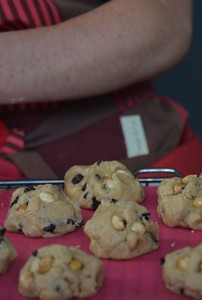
{"type": "Point", "coordinates": [59, 272]}
{"type": "Point", "coordinates": [182, 271]}
{"type": "Point", "coordinates": [180, 202]}
{"type": "Point", "coordinates": [7, 252]}
{"type": "Point", "coordinates": [121, 230]}
{"type": "Point", "coordinates": [88, 185]}
{"type": "Point", "coordinates": [42, 211]}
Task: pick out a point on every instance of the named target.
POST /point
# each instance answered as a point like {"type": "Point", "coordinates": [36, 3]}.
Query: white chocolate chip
{"type": "Point", "coordinates": [45, 264]}
{"type": "Point", "coordinates": [197, 202]}
{"type": "Point", "coordinates": [178, 187]}
{"type": "Point", "coordinates": [22, 208]}
{"type": "Point", "coordinates": [183, 262]}
{"type": "Point", "coordinates": [26, 279]}
{"type": "Point", "coordinates": [109, 182]}
{"type": "Point", "coordinates": [118, 223]}
{"type": "Point", "coordinates": [46, 197]}
{"type": "Point", "coordinates": [75, 265]}
{"type": "Point", "coordinates": [35, 265]}
{"type": "Point", "coordinates": [138, 227]}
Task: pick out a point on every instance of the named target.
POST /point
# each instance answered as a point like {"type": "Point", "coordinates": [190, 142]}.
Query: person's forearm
{"type": "Point", "coordinates": [122, 42]}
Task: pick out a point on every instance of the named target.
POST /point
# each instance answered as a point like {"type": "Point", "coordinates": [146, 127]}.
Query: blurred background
{"type": "Point", "coordinates": [184, 84]}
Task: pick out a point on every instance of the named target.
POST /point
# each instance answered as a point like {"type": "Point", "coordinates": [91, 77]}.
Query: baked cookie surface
{"type": "Point", "coordinates": [7, 252]}
{"type": "Point", "coordinates": [60, 272]}
{"type": "Point", "coordinates": [182, 271]}
{"type": "Point", "coordinates": [88, 185]}
{"type": "Point", "coordinates": [121, 230]}
{"type": "Point", "coordinates": [43, 210]}
{"type": "Point", "coordinates": [180, 202]}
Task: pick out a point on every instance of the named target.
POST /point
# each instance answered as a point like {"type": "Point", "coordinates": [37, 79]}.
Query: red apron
{"type": "Point", "coordinates": [61, 134]}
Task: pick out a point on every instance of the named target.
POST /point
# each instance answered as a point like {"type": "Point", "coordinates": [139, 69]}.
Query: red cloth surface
{"type": "Point", "coordinates": [139, 278]}
{"type": "Point", "coordinates": [8, 171]}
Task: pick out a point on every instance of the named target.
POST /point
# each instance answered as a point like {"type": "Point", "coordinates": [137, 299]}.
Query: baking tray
{"type": "Point", "coordinates": [138, 278]}
{"type": "Point", "coordinates": [144, 176]}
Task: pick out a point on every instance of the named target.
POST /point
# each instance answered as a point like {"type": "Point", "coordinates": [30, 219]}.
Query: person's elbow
{"type": "Point", "coordinates": [183, 41]}
{"type": "Point", "coordinates": [175, 31]}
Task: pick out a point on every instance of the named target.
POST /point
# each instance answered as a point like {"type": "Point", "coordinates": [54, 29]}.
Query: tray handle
{"type": "Point", "coordinates": [158, 174]}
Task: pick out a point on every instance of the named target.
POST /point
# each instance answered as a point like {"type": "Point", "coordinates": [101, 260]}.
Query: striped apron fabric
{"type": "Point", "coordinates": [81, 132]}
{"type": "Point", "coordinates": [21, 14]}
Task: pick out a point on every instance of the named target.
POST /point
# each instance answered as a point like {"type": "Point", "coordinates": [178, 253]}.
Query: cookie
{"type": "Point", "coordinates": [42, 211]}
{"type": "Point", "coordinates": [121, 230]}
{"type": "Point", "coordinates": [182, 271]}
{"type": "Point", "coordinates": [7, 252]}
{"type": "Point", "coordinates": [180, 202]}
{"type": "Point", "coordinates": [60, 272]}
{"type": "Point", "coordinates": [88, 185]}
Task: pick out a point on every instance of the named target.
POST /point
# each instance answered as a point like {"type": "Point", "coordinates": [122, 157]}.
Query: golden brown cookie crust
{"type": "Point", "coordinates": [88, 185]}
{"type": "Point", "coordinates": [42, 211]}
{"type": "Point", "coordinates": [121, 230]}
{"type": "Point", "coordinates": [182, 271]}
{"type": "Point", "coordinates": [180, 202]}
{"type": "Point", "coordinates": [7, 252]}
{"type": "Point", "coordinates": [60, 272]}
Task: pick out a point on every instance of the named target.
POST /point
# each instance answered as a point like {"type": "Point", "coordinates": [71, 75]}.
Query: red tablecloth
{"type": "Point", "coordinates": [139, 278]}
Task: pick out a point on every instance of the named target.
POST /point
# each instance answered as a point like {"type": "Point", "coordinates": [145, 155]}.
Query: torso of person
{"type": "Point", "coordinates": [121, 125]}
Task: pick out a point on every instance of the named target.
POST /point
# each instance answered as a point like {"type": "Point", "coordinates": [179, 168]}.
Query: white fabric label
{"type": "Point", "coordinates": [134, 135]}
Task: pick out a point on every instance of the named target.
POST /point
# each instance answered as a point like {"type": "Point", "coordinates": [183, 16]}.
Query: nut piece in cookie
{"type": "Point", "coordinates": [88, 185]}
{"type": "Point", "coordinates": [121, 230]}
{"type": "Point", "coordinates": [60, 272]}
{"type": "Point", "coordinates": [182, 271]}
{"type": "Point", "coordinates": [180, 202]}
{"type": "Point", "coordinates": [7, 252]}
{"type": "Point", "coordinates": [42, 211]}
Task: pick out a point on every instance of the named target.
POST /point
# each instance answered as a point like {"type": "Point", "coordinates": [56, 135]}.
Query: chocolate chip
{"type": "Point", "coordinates": [124, 222]}
{"type": "Point", "coordinates": [34, 253]}
{"type": "Point", "coordinates": [113, 201]}
{"type": "Point", "coordinates": [49, 228]}
{"type": "Point", "coordinates": [98, 177]}
{"type": "Point", "coordinates": [28, 189]}
{"type": "Point", "coordinates": [145, 216]}
{"type": "Point", "coordinates": [182, 291]}
{"type": "Point", "coordinates": [85, 195]}
{"type": "Point", "coordinates": [2, 231]}
{"type": "Point", "coordinates": [151, 237]}
{"type": "Point", "coordinates": [84, 187]}
{"type": "Point", "coordinates": [71, 221]}
{"type": "Point", "coordinates": [15, 201]}
{"type": "Point", "coordinates": [95, 203]}
{"type": "Point", "coordinates": [77, 178]}
{"type": "Point", "coordinates": [98, 162]}
{"type": "Point", "coordinates": [20, 226]}
{"type": "Point", "coordinates": [78, 224]}
{"type": "Point", "coordinates": [57, 288]}
{"type": "Point", "coordinates": [162, 261]}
